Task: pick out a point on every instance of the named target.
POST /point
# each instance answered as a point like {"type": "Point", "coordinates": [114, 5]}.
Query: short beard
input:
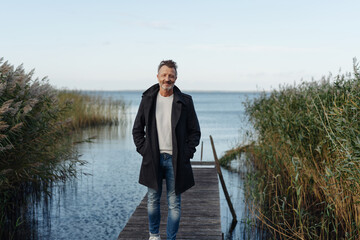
{"type": "Point", "coordinates": [167, 88]}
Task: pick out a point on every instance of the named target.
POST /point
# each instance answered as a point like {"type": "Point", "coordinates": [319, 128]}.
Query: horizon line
{"type": "Point", "coordinates": [185, 90]}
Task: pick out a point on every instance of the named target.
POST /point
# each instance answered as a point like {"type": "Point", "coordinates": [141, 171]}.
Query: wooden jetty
{"type": "Point", "coordinates": [200, 210]}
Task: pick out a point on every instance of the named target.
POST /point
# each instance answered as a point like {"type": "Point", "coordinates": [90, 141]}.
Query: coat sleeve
{"type": "Point", "coordinates": [138, 130]}
{"type": "Point", "coordinates": [193, 129]}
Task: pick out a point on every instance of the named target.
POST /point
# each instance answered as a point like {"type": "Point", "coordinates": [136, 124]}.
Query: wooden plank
{"type": "Point", "coordinates": [200, 211]}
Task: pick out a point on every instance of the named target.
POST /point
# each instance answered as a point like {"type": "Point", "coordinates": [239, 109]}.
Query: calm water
{"type": "Point", "coordinates": [97, 206]}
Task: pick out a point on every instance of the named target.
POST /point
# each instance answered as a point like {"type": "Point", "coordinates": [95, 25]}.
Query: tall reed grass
{"type": "Point", "coordinates": [34, 151]}
{"type": "Point", "coordinates": [307, 156]}
{"type": "Point", "coordinates": [91, 111]}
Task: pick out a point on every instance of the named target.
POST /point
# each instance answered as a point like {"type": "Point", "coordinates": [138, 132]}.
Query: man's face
{"type": "Point", "coordinates": [167, 78]}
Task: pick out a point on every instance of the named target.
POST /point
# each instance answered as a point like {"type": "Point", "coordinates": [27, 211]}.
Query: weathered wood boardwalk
{"type": "Point", "coordinates": [200, 210]}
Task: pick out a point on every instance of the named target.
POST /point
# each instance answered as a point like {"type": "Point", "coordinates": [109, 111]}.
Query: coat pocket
{"type": "Point", "coordinates": [142, 149]}
{"type": "Point", "coordinates": [188, 153]}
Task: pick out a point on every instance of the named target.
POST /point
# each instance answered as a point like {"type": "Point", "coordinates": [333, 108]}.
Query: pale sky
{"type": "Point", "coordinates": [218, 45]}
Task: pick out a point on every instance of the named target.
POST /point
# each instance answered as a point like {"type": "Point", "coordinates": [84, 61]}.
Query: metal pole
{"type": "Point", "coordinates": [218, 168]}
{"type": "Point", "coordinates": [202, 147]}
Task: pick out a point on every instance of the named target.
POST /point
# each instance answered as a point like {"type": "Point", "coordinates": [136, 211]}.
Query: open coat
{"type": "Point", "coordinates": [185, 137]}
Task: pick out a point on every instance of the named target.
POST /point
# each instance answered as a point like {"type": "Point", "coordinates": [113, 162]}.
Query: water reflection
{"type": "Point", "coordinates": [248, 226]}
{"type": "Point", "coordinates": [98, 203]}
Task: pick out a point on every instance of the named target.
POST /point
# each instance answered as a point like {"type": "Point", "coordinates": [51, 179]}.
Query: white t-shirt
{"type": "Point", "coordinates": [163, 122]}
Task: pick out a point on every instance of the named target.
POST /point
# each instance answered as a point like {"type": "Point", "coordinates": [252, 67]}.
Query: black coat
{"type": "Point", "coordinates": [185, 137]}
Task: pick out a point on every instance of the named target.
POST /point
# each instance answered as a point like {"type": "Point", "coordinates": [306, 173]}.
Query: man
{"type": "Point", "coordinates": [166, 131]}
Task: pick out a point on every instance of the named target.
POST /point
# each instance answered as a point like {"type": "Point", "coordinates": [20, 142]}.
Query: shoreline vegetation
{"type": "Point", "coordinates": [91, 111]}
{"type": "Point", "coordinates": [37, 123]}
{"type": "Point", "coordinates": [306, 156]}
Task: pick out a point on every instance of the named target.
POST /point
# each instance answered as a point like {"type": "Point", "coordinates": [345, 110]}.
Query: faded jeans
{"type": "Point", "coordinates": [174, 201]}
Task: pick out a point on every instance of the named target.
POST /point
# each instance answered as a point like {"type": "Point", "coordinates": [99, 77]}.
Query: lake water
{"type": "Point", "coordinates": [97, 206]}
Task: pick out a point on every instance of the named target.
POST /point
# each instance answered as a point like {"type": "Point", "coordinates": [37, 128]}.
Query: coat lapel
{"type": "Point", "coordinates": [176, 110]}
{"type": "Point", "coordinates": [149, 112]}
{"type": "Point", "coordinates": [175, 116]}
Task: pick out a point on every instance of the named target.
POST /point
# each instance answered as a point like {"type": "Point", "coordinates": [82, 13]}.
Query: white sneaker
{"type": "Point", "coordinates": [155, 237]}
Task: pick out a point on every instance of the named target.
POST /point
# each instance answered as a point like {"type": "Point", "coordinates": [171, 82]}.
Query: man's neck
{"type": "Point", "coordinates": [166, 93]}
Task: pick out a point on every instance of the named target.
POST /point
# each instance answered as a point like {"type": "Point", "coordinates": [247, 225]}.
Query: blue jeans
{"type": "Point", "coordinates": [174, 201]}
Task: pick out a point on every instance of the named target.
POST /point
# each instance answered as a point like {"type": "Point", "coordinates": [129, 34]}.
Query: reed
{"type": "Point", "coordinates": [91, 111]}
{"type": "Point", "coordinates": [34, 149]}
{"type": "Point", "coordinates": [307, 157]}
{"type": "Point", "coordinates": [234, 154]}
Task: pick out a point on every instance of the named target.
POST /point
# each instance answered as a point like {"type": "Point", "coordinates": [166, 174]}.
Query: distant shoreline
{"type": "Point", "coordinates": [192, 91]}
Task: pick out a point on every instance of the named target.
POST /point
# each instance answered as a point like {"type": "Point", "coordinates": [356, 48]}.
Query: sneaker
{"type": "Point", "coordinates": [156, 237]}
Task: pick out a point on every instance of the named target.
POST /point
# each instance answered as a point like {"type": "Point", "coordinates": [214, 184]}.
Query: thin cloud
{"type": "Point", "coordinates": [155, 25]}
{"type": "Point", "coordinates": [105, 43]}
{"type": "Point", "coordinates": [252, 48]}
